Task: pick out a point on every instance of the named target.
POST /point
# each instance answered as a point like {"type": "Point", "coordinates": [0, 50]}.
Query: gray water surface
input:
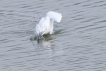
{"type": "Point", "coordinates": [80, 44]}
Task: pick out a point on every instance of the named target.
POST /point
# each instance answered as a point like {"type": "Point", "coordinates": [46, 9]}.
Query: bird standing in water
{"type": "Point", "coordinates": [45, 25]}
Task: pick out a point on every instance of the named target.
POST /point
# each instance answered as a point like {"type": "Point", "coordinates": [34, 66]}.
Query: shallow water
{"type": "Point", "coordinates": [78, 45]}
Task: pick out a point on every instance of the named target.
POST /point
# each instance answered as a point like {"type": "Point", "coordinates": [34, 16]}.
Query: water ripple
{"type": "Point", "coordinates": [78, 44]}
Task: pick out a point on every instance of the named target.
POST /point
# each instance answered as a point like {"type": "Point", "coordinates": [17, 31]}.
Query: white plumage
{"type": "Point", "coordinates": [45, 25]}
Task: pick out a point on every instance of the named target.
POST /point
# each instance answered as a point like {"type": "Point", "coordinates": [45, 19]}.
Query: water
{"type": "Point", "coordinates": [78, 45]}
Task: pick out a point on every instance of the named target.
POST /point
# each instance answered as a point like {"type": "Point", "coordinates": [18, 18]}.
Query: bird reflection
{"type": "Point", "coordinates": [48, 42]}
{"type": "Point", "coordinates": [49, 38]}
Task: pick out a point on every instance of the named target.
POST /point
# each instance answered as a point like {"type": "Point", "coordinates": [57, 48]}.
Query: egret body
{"type": "Point", "coordinates": [45, 25]}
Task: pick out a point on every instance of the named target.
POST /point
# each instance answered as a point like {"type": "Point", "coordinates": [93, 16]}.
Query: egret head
{"type": "Point", "coordinates": [54, 16]}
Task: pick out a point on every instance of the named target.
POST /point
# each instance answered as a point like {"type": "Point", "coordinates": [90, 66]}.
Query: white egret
{"type": "Point", "coordinates": [45, 25]}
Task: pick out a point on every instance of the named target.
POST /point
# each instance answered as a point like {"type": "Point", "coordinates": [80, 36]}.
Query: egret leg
{"type": "Point", "coordinates": [38, 38]}
{"type": "Point", "coordinates": [42, 37]}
